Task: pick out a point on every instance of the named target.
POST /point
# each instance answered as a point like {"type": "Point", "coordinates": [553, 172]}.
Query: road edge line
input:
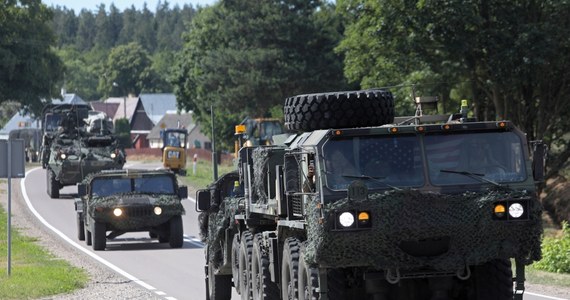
{"type": "Point", "coordinates": [73, 243]}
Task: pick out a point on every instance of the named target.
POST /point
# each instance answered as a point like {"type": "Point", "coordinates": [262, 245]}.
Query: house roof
{"type": "Point", "coordinates": [157, 105]}
{"type": "Point", "coordinates": [131, 105]}
{"type": "Point", "coordinates": [171, 121]}
{"type": "Point", "coordinates": [108, 108]}
{"type": "Point", "coordinates": [69, 99]}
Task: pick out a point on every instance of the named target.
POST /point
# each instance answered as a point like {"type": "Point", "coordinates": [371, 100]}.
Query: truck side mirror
{"type": "Point", "coordinates": [202, 200]}
{"type": "Point", "coordinates": [539, 152]}
{"type": "Point", "coordinates": [81, 189]}
{"type": "Point", "coordinates": [183, 192]}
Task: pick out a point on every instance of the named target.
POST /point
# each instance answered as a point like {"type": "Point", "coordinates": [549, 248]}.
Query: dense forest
{"type": "Point", "coordinates": [242, 57]}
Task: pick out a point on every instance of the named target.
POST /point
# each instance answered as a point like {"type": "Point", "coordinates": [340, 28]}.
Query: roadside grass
{"type": "Point", "coordinates": [546, 278]}
{"type": "Point", "coordinates": [35, 273]}
{"type": "Point", "coordinates": [204, 174]}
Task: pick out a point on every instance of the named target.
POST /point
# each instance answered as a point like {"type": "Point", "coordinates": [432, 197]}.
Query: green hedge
{"type": "Point", "coordinates": [556, 252]}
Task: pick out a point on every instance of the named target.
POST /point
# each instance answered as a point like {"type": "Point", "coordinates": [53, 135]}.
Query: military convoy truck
{"type": "Point", "coordinates": [360, 204]}
{"type": "Point", "coordinates": [121, 201]}
{"type": "Point", "coordinates": [72, 148]}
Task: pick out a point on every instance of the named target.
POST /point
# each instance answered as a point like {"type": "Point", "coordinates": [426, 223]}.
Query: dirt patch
{"type": "Point", "coordinates": [555, 199]}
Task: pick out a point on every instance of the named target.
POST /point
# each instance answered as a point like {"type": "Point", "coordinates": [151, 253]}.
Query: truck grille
{"type": "Point", "coordinates": [145, 211]}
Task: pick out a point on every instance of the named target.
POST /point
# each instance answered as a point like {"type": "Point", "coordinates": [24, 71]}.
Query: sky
{"type": "Point", "coordinates": [78, 5]}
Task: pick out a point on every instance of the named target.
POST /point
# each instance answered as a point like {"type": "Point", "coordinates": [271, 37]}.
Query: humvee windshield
{"type": "Point", "coordinates": [384, 162]}
{"type": "Point", "coordinates": [157, 184]}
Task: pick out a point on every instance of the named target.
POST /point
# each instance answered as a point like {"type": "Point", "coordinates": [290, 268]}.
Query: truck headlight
{"type": "Point", "coordinates": [157, 210]}
{"type": "Point", "coordinates": [516, 210]}
{"type": "Point", "coordinates": [62, 156]}
{"type": "Point", "coordinates": [113, 154]}
{"type": "Point", "coordinates": [346, 219]}
{"type": "Point", "coordinates": [117, 212]}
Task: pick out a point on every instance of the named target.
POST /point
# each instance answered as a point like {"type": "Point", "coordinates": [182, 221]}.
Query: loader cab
{"type": "Point", "coordinates": [174, 143]}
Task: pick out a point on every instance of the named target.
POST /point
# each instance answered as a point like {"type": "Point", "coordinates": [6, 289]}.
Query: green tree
{"type": "Point", "coordinates": [30, 70]}
{"type": "Point", "coordinates": [510, 59]}
{"type": "Point", "coordinates": [85, 31]}
{"type": "Point", "coordinates": [243, 58]}
{"type": "Point", "coordinates": [126, 71]}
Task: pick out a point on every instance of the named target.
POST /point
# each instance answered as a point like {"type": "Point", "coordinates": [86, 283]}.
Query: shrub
{"type": "Point", "coordinates": [556, 252]}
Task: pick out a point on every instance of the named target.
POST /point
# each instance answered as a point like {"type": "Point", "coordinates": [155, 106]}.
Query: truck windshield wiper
{"type": "Point", "coordinates": [477, 176]}
{"type": "Point", "coordinates": [379, 179]}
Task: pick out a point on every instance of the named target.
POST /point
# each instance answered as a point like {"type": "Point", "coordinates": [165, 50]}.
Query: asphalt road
{"type": "Point", "coordinates": [170, 273]}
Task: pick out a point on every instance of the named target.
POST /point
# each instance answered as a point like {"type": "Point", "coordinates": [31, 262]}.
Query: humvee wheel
{"type": "Point", "coordinates": [261, 284]}
{"type": "Point", "coordinates": [235, 262]}
{"type": "Point", "coordinates": [176, 232]}
{"type": "Point", "coordinates": [52, 184]}
{"type": "Point", "coordinates": [245, 253]}
{"type": "Point", "coordinates": [308, 281]}
{"type": "Point", "coordinates": [88, 237]}
{"type": "Point", "coordinates": [219, 287]}
{"type": "Point", "coordinates": [80, 227]}
{"type": "Point", "coordinates": [99, 236]}
{"type": "Point", "coordinates": [290, 269]}
{"type": "Point", "coordinates": [339, 110]}
{"type": "Point", "coordinates": [493, 280]}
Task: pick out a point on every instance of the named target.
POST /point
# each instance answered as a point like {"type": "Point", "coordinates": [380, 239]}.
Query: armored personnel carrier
{"type": "Point", "coordinates": [73, 149]}
{"type": "Point", "coordinates": [360, 204]}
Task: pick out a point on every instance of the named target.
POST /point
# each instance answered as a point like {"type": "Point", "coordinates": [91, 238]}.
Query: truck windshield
{"type": "Point", "coordinates": [496, 156]}
{"type": "Point", "coordinates": [161, 184]}
{"type": "Point", "coordinates": [383, 162]}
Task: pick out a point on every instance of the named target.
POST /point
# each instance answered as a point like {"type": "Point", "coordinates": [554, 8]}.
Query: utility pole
{"type": "Point", "coordinates": [214, 156]}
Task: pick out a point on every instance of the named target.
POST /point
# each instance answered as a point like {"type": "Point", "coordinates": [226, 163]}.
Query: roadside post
{"type": "Point", "coordinates": [12, 165]}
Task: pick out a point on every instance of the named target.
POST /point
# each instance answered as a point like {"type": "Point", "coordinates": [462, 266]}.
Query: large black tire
{"type": "Point", "coordinates": [493, 280]}
{"type": "Point", "coordinates": [290, 270]}
{"type": "Point", "coordinates": [308, 281]}
{"type": "Point", "coordinates": [235, 261]}
{"type": "Point", "coordinates": [176, 232]}
{"type": "Point", "coordinates": [261, 284]}
{"type": "Point", "coordinates": [219, 287]}
{"type": "Point", "coordinates": [339, 110]}
{"type": "Point", "coordinates": [245, 254]}
{"type": "Point", "coordinates": [80, 227]}
{"type": "Point", "coordinates": [99, 236]}
{"type": "Point", "coordinates": [52, 184]}
{"type": "Point", "coordinates": [88, 237]}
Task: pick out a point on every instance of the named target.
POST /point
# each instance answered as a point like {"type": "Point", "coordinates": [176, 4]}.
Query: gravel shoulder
{"type": "Point", "coordinates": [103, 282]}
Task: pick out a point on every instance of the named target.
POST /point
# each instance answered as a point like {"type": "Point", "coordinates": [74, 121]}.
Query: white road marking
{"type": "Point", "coordinates": [74, 244]}
{"type": "Point", "coordinates": [544, 296]}
{"type": "Point", "coordinates": [160, 293]}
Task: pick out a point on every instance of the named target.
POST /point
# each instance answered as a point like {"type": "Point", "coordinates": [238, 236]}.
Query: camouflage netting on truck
{"type": "Point", "coordinates": [260, 159]}
{"type": "Point", "coordinates": [407, 216]}
{"type": "Point", "coordinates": [170, 205]}
{"type": "Point", "coordinates": [218, 222]}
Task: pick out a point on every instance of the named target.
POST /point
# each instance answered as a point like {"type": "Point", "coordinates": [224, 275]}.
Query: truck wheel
{"type": "Point", "coordinates": [88, 238]}
{"type": "Point", "coordinates": [308, 281]}
{"type": "Point", "coordinates": [261, 284]}
{"type": "Point", "coordinates": [99, 236]}
{"type": "Point", "coordinates": [219, 286]}
{"type": "Point", "coordinates": [235, 262]}
{"type": "Point", "coordinates": [245, 253]}
{"type": "Point", "coordinates": [290, 269]}
{"type": "Point", "coordinates": [80, 227]}
{"type": "Point", "coordinates": [176, 232]}
{"type": "Point", "coordinates": [52, 184]}
{"type": "Point", "coordinates": [339, 110]}
{"type": "Point", "coordinates": [493, 280]}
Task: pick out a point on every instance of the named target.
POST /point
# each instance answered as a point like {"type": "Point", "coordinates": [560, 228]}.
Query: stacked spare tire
{"type": "Point", "coordinates": [351, 109]}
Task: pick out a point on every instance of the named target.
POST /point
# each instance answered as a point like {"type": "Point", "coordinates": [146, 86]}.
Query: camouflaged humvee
{"type": "Point", "coordinates": [121, 201]}
{"type": "Point", "coordinates": [358, 204]}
